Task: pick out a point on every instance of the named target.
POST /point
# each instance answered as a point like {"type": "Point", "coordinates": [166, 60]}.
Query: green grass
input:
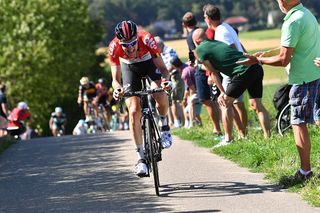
{"type": "Point", "coordinates": [274, 74]}
{"type": "Point", "coordinates": [5, 142]}
{"type": "Point", "coordinates": [276, 157]}
{"type": "Point", "coordinates": [261, 35]}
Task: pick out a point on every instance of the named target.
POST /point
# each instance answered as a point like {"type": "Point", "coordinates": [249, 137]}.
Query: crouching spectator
{"type": "Point", "coordinates": [81, 128]}
{"type": "Point", "coordinates": [18, 118]}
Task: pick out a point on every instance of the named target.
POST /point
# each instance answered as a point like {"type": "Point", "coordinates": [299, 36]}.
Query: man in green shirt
{"type": "Point", "coordinates": [220, 57]}
{"type": "Point", "coordinates": [300, 45]}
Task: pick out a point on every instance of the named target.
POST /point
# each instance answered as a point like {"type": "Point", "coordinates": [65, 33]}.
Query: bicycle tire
{"type": "Point", "coordinates": [283, 121]}
{"type": "Point", "coordinates": [152, 154]}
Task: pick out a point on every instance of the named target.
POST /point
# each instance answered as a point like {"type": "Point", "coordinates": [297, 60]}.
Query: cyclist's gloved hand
{"type": "Point", "coordinates": [167, 85]}
{"type": "Point", "coordinates": [79, 101]}
{"type": "Point", "coordinates": [118, 93]}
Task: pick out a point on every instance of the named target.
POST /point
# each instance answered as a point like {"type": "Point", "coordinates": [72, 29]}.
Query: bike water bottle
{"type": "Point", "coordinates": [114, 122]}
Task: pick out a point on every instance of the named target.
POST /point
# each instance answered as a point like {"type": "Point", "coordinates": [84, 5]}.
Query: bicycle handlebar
{"type": "Point", "coordinates": [143, 92]}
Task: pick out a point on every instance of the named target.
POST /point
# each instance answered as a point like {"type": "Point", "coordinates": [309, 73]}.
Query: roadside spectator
{"type": "Point", "coordinates": [81, 128]}
{"type": "Point", "coordinates": [216, 55]}
{"type": "Point", "coordinates": [203, 89]}
{"type": "Point", "coordinates": [300, 45]}
{"type": "Point", "coordinates": [190, 97]}
{"type": "Point", "coordinates": [225, 33]}
{"type": "Point", "coordinates": [167, 53]}
{"type": "Point", "coordinates": [3, 110]}
{"type": "Point", "coordinates": [19, 119]}
{"type": "Point", "coordinates": [197, 108]}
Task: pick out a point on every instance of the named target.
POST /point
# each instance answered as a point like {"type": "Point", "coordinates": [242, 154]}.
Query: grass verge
{"type": "Point", "coordinates": [5, 142]}
{"type": "Point", "coordinates": [277, 157]}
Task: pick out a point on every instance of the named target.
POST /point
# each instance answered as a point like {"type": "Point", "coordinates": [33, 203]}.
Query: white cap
{"type": "Point", "coordinates": [22, 105]}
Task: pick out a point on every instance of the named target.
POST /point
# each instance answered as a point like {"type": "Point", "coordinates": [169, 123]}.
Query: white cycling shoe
{"type": "Point", "coordinates": [141, 168]}
{"type": "Point", "coordinates": [166, 138]}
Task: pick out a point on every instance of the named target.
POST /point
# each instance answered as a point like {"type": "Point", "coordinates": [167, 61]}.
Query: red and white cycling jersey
{"type": "Point", "coordinates": [147, 49]}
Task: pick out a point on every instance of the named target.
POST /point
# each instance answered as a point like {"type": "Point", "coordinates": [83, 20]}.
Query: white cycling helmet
{"type": "Point", "coordinates": [58, 110]}
{"type": "Point", "coordinates": [84, 80]}
{"type": "Point", "coordinates": [22, 105]}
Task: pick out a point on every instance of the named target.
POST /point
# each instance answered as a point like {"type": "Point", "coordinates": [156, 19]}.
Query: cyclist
{"type": "Point", "coordinates": [57, 121]}
{"type": "Point", "coordinates": [87, 92]}
{"type": "Point", "coordinates": [103, 93]}
{"type": "Point", "coordinates": [135, 54]}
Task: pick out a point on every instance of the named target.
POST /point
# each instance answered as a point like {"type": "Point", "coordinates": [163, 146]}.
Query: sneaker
{"type": "Point", "coordinates": [126, 126]}
{"type": "Point", "coordinates": [141, 168]}
{"type": "Point", "coordinates": [297, 178]}
{"type": "Point", "coordinates": [186, 124]}
{"type": "Point", "coordinates": [217, 136]}
{"type": "Point", "coordinates": [223, 142]}
{"type": "Point", "coordinates": [176, 124]}
{"type": "Point", "coordinates": [166, 138]}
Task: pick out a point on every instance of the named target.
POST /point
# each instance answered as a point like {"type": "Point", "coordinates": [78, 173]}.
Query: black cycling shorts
{"type": "Point", "coordinates": [251, 80]}
{"type": "Point", "coordinates": [132, 74]}
{"type": "Point", "coordinates": [103, 100]}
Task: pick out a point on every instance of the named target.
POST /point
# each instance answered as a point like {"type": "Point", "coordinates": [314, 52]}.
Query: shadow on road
{"type": "Point", "coordinates": [213, 189]}
{"type": "Point", "coordinates": [72, 174]}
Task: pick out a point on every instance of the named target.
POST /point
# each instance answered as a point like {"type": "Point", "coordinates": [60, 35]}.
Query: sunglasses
{"type": "Point", "coordinates": [132, 43]}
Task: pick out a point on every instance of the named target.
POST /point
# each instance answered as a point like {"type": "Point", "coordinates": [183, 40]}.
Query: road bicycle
{"type": "Point", "coordinates": [102, 119]}
{"type": "Point", "coordinates": [92, 119]}
{"type": "Point", "coordinates": [151, 132]}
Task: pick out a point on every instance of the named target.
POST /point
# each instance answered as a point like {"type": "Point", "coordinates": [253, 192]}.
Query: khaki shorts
{"type": "Point", "coordinates": [178, 87]}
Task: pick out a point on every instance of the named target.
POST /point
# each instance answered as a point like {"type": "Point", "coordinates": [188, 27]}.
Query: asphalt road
{"type": "Point", "coordinates": [95, 174]}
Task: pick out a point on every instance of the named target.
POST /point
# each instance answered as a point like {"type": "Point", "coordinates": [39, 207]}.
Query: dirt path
{"type": "Point", "coordinates": [182, 49]}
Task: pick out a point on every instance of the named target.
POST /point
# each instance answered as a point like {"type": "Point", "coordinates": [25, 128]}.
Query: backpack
{"type": "Point", "coordinates": [281, 97]}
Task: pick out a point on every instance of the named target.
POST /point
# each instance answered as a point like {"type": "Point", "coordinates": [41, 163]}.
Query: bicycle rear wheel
{"type": "Point", "coordinates": [151, 140]}
{"type": "Point", "coordinates": [283, 122]}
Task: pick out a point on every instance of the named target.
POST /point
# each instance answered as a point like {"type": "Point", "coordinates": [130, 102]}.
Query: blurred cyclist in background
{"type": "Point", "coordinates": [88, 93]}
{"type": "Point", "coordinates": [58, 122]}
{"type": "Point", "coordinates": [103, 96]}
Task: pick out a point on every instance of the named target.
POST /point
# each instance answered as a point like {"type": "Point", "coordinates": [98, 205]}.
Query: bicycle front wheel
{"type": "Point", "coordinates": [150, 137]}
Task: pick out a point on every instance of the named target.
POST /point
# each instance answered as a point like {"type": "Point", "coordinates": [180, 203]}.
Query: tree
{"type": "Point", "coordinates": [44, 48]}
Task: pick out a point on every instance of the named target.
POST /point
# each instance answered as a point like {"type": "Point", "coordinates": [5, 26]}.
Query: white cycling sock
{"type": "Point", "coordinates": [140, 151]}
{"type": "Point", "coordinates": [163, 121]}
